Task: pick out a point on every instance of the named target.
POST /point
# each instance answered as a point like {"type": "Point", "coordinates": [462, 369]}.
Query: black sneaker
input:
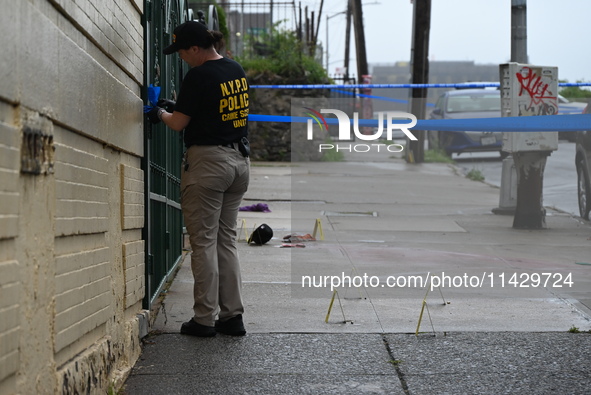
{"type": "Point", "coordinates": [232, 327]}
{"type": "Point", "coordinates": [196, 329]}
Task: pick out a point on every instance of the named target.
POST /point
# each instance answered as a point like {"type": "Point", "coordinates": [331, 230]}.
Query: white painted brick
{"type": "Point", "coordinates": [75, 244]}
{"type": "Point", "coordinates": [81, 277]}
{"type": "Point", "coordinates": [9, 294]}
{"type": "Point", "coordinates": [132, 248]}
{"type": "Point", "coordinates": [74, 296]}
{"type": "Point", "coordinates": [133, 185]}
{"type": "Point", "coordinates": [68, 335]}
{"type": "Point", "coordinates": [81, 312]}
{"type": "Point", "coordinates": [10, 298]}
{"type": "Point", "coordinates": [82, 158]}
{"type": "Point", "coordinates": [81, 189]}
{"type": "Point", "coordinates": [67, 208]}
{"type": "Point", "coordinates": [9, 214]}
{"type": "Point", "coordinates": [77, 174]}
{"type": "Point", "coordinates": [8, 275]}
{"type": "Point", "coordinates": [75, 261]}
{"type": "Point", "coordinates": [9, 179]}
{"type": "Point", "coordinates": [91, 193]}
{"type": "Point", "coordinates": [133, 263]}
{"type": "Point", "coordinates": [132, 200]}
{"type": "Point", "coordinates": [7, 341]}
{"type": "Point", "coordinates": [10, 204]}
{"type": "Point", "coordinates": [75, 226]}
{"type": "Point", "coordinates": [9, 157]}
{"type": "Point", "coordinates": [9, 359]}
{"type": "Point", "coordinates": [9, 134]}
{"type": "Point", "coordinates": [9, 316]}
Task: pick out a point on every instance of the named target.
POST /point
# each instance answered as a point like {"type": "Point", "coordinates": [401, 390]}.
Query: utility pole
{"type": "Point", "coordinates": [519, 31]}
{"type": "Point", "coordinates": [529, 210]}
{"type": "Point", "coordinates": [348, 39]}
{"type": "Point", "coordinates": [530, 150]}
{"type": "Point", "coordinates": [419, 56]}
{"type": "Point", "coordinates": [362, 68]}
{"type": "Point", "coordinates": [508, 192]}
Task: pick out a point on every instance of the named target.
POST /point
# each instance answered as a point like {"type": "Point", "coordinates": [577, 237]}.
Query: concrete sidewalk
{"type": "Point", "coordinates": [483, 331]}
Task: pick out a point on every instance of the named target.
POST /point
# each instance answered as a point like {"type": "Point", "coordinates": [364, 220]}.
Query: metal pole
{"type": "Point", "coordinates": [508, 192]}
{"type": "Point", "coordinates": [519, 31]}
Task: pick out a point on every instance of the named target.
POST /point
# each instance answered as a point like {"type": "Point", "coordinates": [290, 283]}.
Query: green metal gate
{"type": "Point", "coordinates": [163, 148]}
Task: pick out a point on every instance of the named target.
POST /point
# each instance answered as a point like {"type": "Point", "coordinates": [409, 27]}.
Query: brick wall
{"type": "Point", "coordinates": [71, 194]}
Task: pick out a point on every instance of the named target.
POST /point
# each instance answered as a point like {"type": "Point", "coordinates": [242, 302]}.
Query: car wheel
{"type": "Point", "coordinates": [583, 190]}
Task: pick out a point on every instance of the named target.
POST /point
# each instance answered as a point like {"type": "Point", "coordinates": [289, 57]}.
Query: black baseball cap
{"type": "Point", "coordinates": [187, 35]}
{"type": "Point", "coordinates": [261, 235]}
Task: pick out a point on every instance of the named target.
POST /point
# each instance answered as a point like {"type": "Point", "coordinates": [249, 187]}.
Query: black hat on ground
{"type": "Point", "coordinates": [261, 235]}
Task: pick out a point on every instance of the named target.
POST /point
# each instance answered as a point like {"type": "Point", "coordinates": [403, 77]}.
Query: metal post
{"type": "Point", "coordinates": [519, 31]}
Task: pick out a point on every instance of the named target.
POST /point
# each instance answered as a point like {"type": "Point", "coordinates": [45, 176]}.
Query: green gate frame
{"type": "Point", "coordinates": [163, 149]}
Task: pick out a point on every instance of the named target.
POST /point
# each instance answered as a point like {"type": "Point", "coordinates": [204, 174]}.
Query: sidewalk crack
{"type": "Point", "coordinates": [395, 363]}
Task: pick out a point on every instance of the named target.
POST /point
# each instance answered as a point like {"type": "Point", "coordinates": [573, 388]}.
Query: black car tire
{"type": "Point", "coordinates": [583, 190]}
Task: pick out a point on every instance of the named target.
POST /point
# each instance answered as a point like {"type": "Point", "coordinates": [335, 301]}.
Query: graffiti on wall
{"type": "Point", "coordinates": [535, 95]}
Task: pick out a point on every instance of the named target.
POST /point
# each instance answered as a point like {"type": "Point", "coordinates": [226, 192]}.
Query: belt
{"type": "Point", "coordinates": [228, 145]}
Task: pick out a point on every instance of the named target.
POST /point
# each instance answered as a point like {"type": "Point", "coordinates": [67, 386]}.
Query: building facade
{"type": "Point", "coordinates": [72, 194]}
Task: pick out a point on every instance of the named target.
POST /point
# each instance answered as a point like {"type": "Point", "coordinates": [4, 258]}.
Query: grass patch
{"type": "Point", "coordinates": [332, 155]}
{"type": "Point", "coordinates": [437, 156]}
{"type": "Point", "coordinates": [475, 175]}
{"type": "Point", "coordinates": [574, 329]}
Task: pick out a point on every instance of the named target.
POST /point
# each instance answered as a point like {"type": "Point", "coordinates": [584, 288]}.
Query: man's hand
{"type": "Point", "coordinates": [155, 114]}
{"type": "Point", "coordinates": [168, 105]}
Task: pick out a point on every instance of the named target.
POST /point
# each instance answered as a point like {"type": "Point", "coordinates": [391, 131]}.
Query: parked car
{"type": "Point", "coordinates": [583, 164]}
{"type": "Point", "coordinates": [466, 104]}
{"type": "Point", "coordinates": [569, 107]}
{"type": "Point", "coordinates": [566, 106]}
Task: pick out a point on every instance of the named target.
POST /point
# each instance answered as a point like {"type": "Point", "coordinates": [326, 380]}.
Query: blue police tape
{"type": "Point", "coordinates": [382, 86]}
{"type": "Point", "coordinates": [541, 123]}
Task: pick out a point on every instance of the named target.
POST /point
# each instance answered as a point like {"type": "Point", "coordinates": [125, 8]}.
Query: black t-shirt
{"type": "Point", "coordinates": [215, 96]}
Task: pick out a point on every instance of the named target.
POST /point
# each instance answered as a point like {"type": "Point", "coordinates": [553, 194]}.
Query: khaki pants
{"type": "Point", "coordinates": [212, 187]}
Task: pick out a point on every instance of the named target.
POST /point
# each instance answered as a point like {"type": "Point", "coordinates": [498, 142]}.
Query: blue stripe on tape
{"type": "Point", "coordinates": [542, 123]}
{"type": "Point", "coordinates": [382, 86]}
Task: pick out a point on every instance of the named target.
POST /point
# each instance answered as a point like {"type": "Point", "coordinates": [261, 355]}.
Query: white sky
{"type": "Point", "coordinates": [478, 30]}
